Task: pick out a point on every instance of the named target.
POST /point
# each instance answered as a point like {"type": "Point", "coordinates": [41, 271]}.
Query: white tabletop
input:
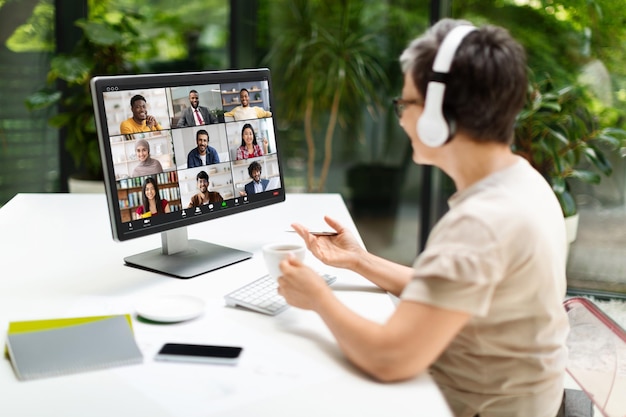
{"type": "Point", "coordinates": [59, 260]}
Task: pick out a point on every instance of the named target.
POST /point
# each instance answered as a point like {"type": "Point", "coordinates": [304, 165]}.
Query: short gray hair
{"type": "Point", "coordinates": [487, 83]}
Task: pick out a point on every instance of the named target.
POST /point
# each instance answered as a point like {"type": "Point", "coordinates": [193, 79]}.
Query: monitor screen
{"type": "Point", "coordinates": [183, 148]}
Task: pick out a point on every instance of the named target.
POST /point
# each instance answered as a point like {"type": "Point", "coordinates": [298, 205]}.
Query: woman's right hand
{"type": "Point", "coordinates": [341, 250]}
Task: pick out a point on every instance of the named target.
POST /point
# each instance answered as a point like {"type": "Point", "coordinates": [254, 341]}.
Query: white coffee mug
{"type": "Point", "coordinates": [274, 253]}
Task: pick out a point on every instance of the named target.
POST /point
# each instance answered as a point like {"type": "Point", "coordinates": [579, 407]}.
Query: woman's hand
{"type": "Point", "coordinates": [300, 285]}
{"type": "Point", "coordinates": [342, 250]}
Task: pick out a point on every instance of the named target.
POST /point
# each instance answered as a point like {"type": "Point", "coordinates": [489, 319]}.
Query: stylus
{"type": "Point", "coordinates": [319, 233]}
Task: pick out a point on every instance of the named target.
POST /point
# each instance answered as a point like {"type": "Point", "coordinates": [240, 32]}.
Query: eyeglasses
{"type": "Point", "coordinates": [399, 104]}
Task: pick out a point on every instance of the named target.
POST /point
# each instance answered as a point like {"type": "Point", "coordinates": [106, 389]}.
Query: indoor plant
{"type": "Point", "coordinates": [563, 138]}
{"type": "Point", "coordinates": [110, 44]}
{"type": "Point", "coordinates": [330, 61]}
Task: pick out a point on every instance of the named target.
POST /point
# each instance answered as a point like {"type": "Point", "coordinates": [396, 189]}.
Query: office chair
{"type": "Point", "coordinates": [597, 362]}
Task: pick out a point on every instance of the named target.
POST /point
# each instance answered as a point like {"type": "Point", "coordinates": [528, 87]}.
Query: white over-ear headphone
{"type": "Point", "coordinates": [432, 127]}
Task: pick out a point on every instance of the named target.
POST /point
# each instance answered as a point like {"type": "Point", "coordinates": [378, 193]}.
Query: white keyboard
{"type": "Point", "coordinates": [261, 295]}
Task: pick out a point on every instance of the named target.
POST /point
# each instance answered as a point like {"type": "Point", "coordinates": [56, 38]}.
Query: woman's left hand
{"type": "Point", "coordinates": [301, 286]}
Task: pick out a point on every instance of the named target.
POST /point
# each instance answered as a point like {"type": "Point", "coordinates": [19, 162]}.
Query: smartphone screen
{"type": "Point", "coordinates": [199, 353]}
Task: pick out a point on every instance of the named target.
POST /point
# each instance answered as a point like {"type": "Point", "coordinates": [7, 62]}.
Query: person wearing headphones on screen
{"type": "Point", "coordinates": [481, 307]}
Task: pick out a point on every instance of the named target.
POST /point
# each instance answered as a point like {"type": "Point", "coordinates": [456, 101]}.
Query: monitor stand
{"type": "Point", "coordinates": [184, 258]}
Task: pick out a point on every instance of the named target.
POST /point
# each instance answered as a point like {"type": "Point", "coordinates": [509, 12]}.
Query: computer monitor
{"type": "Point", "coordinates": [161, 175]}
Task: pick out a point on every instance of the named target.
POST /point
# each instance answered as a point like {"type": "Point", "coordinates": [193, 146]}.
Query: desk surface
{"type": "Point", "coordinates": [59, 260]}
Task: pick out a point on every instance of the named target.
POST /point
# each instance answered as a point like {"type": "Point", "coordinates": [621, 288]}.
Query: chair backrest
{"type": "Point", "coordinates": [597, 356]}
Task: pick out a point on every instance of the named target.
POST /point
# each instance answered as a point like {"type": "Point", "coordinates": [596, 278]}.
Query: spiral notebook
{"type": "Point", "coordinates": [46, 348]}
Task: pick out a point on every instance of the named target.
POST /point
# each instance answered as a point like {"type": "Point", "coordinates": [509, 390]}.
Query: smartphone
{"type": "Point", "coordinates": [180, 352]}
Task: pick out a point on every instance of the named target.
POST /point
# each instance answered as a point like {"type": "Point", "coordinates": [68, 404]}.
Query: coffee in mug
{"type": "Point", "coordinates": [274, 253]}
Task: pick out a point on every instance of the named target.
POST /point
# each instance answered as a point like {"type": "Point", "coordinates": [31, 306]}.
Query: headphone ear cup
{"type": "Point", "coordinates": [432, 127]}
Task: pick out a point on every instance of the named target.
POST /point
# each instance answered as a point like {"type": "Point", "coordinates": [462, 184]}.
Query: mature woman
{"type": "Point", "coordinates": [147, 164]}
{"type": "Point", "coordinates": [481, 308]}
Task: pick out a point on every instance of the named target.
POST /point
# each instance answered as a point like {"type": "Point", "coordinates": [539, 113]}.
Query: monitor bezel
{"type": "Point", "coordinates": [100, 84]}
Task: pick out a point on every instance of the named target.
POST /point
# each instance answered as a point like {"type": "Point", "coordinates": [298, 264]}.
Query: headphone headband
{"type": "Point", "coordinates": [432, 126]}
{"type": "Point", "coordinates": [447, 50]}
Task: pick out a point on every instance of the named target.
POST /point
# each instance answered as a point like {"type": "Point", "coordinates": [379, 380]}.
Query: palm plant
{"type": "Point", "coordinates": [559, 134]}
{"type": "Point", "coordinates": [330, 70]}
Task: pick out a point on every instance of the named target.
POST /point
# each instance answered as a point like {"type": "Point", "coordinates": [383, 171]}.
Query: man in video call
{"type": "Point", "coordinates": [204, 196]}
{"type": "Point", "coordinates": [141, 120]}
{"type": "Point", "coordinates": [203, 154]}
{"type": "Point", "coordinates": [257, 185]}
{"type": "Point", "coordinates": [245, 111]}
{"type": "Point", "coordinates": [195, 115]}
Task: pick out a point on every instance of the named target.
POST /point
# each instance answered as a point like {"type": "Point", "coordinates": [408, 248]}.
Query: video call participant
{"type": "Point", "coordinates": [245, 111]}
{"type": "Point", "coordinates": [204, 196]}
{"type": "Point", "coordinates": [481, 308]}
{"type": "Point", "coordinates": [195, 115]}
{"type": "Point", "coordinates": [257, 185]}
{"type": "Point", "coordinates": [153, 204]}
{"type": "Point", "coordinates": [147, 164]}
{"type": "Point", "coordinates": [203, 154]}
{"type": "Point", "coordinates": [141, 120]}
{"type": "Point", "coordinates": [249, 146]}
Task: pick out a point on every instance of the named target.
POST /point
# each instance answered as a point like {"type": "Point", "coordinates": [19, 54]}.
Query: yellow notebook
{"type": "Point", "coordinates": [44, 348]}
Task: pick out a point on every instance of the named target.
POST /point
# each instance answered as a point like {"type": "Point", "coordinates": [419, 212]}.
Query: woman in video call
{"type": "Point", "coordinates": [481, 308]}
{"type": "Point", "coordinates": [153, 204]}
{"type": "Point", "coordinates": [249, 146]}
{"type": "Point", "coordinates": [147, 164]}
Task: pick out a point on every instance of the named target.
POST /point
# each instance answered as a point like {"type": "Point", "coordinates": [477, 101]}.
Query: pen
{"type": "Point", "coordinates": [321, 233]}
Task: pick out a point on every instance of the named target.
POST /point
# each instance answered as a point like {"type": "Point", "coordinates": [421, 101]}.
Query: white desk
{"type": "Point", "coordinates": [59, 260]}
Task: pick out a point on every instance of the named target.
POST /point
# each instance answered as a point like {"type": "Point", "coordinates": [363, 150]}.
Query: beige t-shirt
{"type": "Point", "coordinates": [499, 254]}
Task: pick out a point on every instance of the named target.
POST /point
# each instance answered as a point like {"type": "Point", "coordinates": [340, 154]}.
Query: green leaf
{"type": "Point", "coordinates": [614, 131]}
{"type": "Point", "coordinates": [102, 34]}
{"type": "Point", "coordinates": [90, 126]}
{"type": "Point", "coordinates": [567, 202]}
{"type": "Point", "coordinates": [599, 160]}
{"type": "Point", "coordinates": [558, 185]}
{"type": "Point", "coordinates": [72, 69]}
{"type": "Point", "coordinates": [60, 120]}
{"type": "Point", "coordinates": [42, 99]}
{"type": "Point", "coordinates": [550, 106]}
{"type": "Point", "coordinates": [610, 136]}
{"type": "Point", "coordinates": [585, 176]}
{"type": "Point", "coordinates": [559, 136]}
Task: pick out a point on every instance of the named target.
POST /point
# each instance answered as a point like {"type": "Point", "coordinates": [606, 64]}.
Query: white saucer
{"type": "Point", "coordinates": [171, 308]}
